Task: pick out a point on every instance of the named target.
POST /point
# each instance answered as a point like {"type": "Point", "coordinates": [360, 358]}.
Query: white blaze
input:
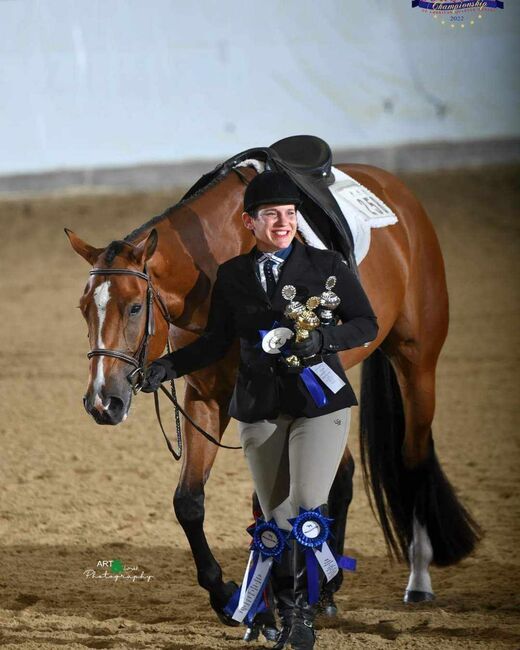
{"type": "Point", "coordinates": [101, 298]}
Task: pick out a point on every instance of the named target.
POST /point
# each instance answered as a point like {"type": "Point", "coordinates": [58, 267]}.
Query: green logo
{"type": "Point", "coordinates": [116, 566]}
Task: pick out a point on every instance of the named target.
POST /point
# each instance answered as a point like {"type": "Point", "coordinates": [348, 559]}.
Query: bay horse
{"type": "Point", "coordinates": [173, 259]}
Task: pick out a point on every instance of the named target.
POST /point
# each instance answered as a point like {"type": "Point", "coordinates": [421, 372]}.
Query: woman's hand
{"type": "Point", "coordinates": [155, 375]}
{"type": "Point", "coordinates": [308, 347]}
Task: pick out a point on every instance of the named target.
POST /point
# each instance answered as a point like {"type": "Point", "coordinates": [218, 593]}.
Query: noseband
{"type": "Point", "coordinates": [139, 358]}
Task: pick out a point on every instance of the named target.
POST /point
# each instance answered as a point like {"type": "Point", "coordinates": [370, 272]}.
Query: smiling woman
{"type": "Point", "coordinates": [273, 224]}
{"type": "Point", "coordinates": [274, 227]}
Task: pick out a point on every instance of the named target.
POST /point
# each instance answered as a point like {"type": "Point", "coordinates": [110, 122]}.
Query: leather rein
{"type": "Point", "coordinates": [139, 360]}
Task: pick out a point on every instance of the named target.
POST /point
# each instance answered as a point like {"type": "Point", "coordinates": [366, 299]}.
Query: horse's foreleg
{"type": "Point", "coordinates": [188, 500]}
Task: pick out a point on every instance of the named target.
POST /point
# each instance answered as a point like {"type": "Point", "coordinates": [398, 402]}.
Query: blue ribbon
{"type": "Point", "coordinates": [304, 521]}
{"type": "Point", "coordinates": [306, 517]}
{"type": "Point", "coordinates": [308, 377]}
{"type": "Point", "coordinates": [314, 387]}
{"type": "Point", "coordinates": [258, 532]}
{"type": "Point", "coordinates": [455, 5]}
{"type": "Point", "coordinates": [262, 531]}
{"type": "Point", "coordinates": [347, 563]}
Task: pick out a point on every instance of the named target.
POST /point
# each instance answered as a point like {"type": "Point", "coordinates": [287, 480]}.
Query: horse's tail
{"type": "Point", "coordinates": [398, 493]}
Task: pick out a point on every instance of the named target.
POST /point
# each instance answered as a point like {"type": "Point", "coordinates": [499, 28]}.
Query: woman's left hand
{"type": "Point", "coordinates": [308, 347]}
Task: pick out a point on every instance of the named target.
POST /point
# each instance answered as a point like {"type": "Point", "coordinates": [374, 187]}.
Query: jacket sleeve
{"type": "Point", "coordinates": [212, 345]}
{"type": "Point", "coordinates": [359, 323]}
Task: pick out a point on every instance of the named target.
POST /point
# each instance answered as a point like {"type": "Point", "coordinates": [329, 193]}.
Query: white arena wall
{"type": "Point", "coordinates": [106, 91]}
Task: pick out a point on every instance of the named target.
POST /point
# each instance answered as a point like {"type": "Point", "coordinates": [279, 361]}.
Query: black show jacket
{"type": "Point", "coordinates": [240, 308]}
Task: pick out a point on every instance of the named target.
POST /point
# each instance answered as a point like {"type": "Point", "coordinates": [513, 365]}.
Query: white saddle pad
{"type": "Point", "coordinates": [360, 207]}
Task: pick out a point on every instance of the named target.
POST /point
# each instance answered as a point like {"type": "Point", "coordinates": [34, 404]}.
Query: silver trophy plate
{"type": "Point", "coordinates": [276, 339]}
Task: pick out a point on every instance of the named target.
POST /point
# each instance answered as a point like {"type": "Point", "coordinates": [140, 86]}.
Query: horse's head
{"type": "Point", "coordinates": [125, 328]}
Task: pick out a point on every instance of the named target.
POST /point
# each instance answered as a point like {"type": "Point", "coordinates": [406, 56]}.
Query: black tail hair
{"type": "Point", "coordinates": [397, 492]}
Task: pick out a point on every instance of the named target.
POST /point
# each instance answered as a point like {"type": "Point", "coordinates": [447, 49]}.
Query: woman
{"type": "Point", "coordinates": [292, 402]}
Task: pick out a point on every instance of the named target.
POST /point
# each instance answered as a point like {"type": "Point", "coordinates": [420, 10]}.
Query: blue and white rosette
{"type": "Point", "coordinates": [308, 378]}
{"type": "Point", "coordinates": [311, 530]}
{"type": "Point", "coordinates": [267, 547]}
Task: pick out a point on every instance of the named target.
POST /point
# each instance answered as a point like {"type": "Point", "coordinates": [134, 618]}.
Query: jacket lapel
{"type": "Point", "coordinates": [291, 274]}
{"type": "Point", "coordinates": [250, 279]}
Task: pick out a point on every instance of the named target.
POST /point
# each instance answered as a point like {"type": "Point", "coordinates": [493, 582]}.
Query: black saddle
{"type": "Point", "coordinates": [307, 155]}
{"type": "Point", "coordinates": [307, 160]}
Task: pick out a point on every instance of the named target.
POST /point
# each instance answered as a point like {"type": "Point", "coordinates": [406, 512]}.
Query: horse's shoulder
{"type": "Point", "coordinates": [233, 265]}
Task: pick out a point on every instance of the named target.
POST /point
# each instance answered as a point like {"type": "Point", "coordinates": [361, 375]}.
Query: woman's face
{"type": "Point", "coordinates": [274, 226]}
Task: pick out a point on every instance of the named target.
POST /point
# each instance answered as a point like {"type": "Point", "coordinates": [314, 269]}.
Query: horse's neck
{"type": "Point", "coordinates": [194, 239]}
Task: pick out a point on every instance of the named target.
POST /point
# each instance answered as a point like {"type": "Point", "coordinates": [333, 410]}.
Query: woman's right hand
{"type": "Point", "coordinates": [155, 375]}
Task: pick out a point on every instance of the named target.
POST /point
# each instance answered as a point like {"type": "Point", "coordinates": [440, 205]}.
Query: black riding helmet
{"type": "Point", "coordinates": [271, 188]}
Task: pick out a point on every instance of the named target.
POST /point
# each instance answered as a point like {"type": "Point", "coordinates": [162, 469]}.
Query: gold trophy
{"type": "Point", "coordinates": [303, 316]}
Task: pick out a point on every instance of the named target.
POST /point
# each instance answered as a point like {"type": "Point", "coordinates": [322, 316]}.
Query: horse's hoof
{"type": "Point", "coordinates": [413, 597]}
{"type": "Point", "coordinates": [218, 602]}
{"type": "Point", "coordinates": [327, 606]}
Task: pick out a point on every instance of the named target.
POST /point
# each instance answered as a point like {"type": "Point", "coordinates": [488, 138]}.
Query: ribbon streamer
{"type": "Point", "coordinates": [267, 546]}
{"type": "Point", "coordinates": [314, 388]}
{"type": "Point", "coordinates": [311, 529]}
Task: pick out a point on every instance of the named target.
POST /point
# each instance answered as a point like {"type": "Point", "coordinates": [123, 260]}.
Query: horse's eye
{"type": "Point", "coordinates": [135, 309]}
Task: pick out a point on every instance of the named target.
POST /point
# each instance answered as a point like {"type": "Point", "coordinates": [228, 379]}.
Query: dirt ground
{"type": "Point", "coordinates": [74, 493]}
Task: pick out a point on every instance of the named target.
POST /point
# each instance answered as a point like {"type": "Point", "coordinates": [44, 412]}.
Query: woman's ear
{"type": "Point", "coordinates": [248, 220]}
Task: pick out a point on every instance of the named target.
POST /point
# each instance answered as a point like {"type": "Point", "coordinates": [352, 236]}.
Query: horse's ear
{"type": "Point", "coordinates": [86, 251]}
{"type": "Point", "coordinates": [145, 249]}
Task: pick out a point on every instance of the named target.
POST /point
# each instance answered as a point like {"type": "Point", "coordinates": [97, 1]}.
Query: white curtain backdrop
{"type": "Point", "coordinates": [89, 83]}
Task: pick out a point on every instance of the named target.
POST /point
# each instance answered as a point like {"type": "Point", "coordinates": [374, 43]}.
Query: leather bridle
{"type": "Point", "coordinates": [139, 359]}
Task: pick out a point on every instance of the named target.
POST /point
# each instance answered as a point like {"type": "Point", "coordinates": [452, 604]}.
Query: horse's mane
{"type": "Point", "coordinates": [167, 213]}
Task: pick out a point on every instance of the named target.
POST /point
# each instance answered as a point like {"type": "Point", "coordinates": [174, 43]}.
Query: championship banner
{"type": "Point", "coordinates": [458, 5]}
{"type": "Point", "coordinates": [311, 530]}
{"type": "Point", "coordinates": [267, 546]}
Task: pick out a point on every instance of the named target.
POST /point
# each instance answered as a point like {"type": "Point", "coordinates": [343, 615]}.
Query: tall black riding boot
{"type": "Point", "coordinates": [282, 581]}
{"type": "Point", "coordinates": [302, 635]}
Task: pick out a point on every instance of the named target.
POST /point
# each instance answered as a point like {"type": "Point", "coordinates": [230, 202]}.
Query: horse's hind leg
{"type": "Point", "coordinates": [188, 500]}
{"type": "Point", "coordinates": [418, 390]}
{"type": "Point", "coordinates": [436, 525]}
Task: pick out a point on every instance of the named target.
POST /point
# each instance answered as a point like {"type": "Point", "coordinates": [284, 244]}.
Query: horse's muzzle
{"type": "Point", "coordinates": [112, 411]}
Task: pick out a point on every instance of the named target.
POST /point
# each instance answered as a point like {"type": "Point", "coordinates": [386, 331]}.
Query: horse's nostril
{"type": "Point", "coordinates": [115, 408]}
